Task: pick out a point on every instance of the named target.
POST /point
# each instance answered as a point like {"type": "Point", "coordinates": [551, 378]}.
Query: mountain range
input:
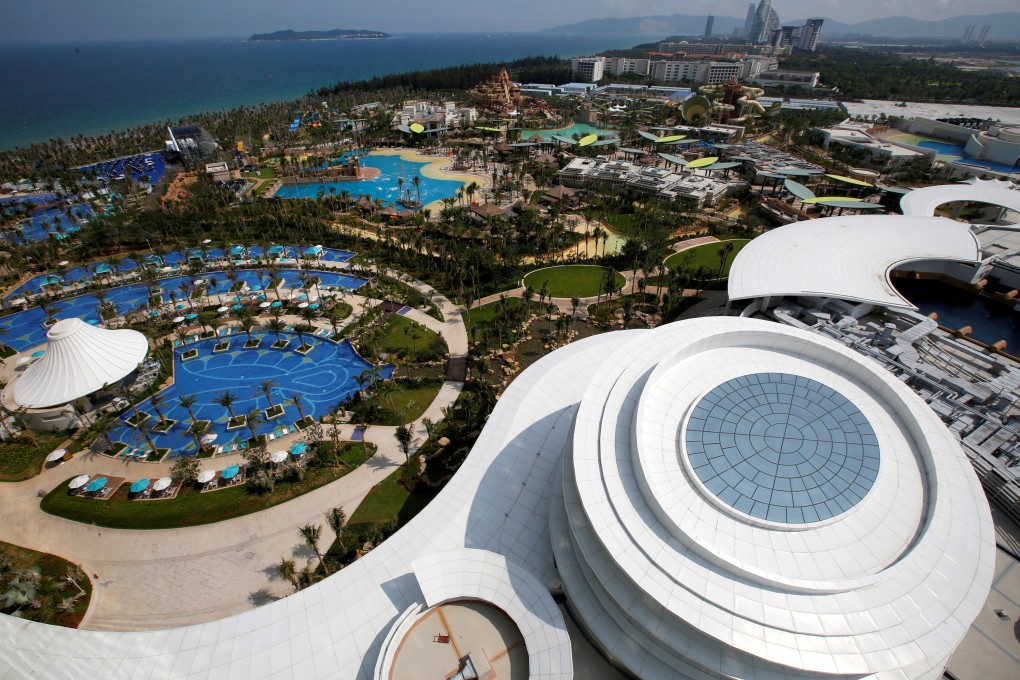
{"type": "Point", "coordinates": [1004, 26]}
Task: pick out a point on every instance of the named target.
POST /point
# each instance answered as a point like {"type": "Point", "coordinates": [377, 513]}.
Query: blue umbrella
{"type": "Point", "coordinates": [230, 472]}
{"type": "Point", "coordinates": [299, 448]}
{"type": "Point", "coordinates": [96, 484]}
{"type": "Point", "coordinates": [140, 485]}
{"type": "Point", "coordinates": [191, 316]}
{"type": "Point", "coordinates": [314, 305]}
{"type": "Point", "coordinates": [237, 308]}
{"type": "Point", "coordinates": [38, 353]}
{"type": "Point", "coordinates": [276, 303]}
{"type": "Point", "coordinates": [237, 250]}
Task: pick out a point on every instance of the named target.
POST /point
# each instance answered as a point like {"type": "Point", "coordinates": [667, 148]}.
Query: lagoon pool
{"type": "Point", "coordinates": [23, 330]}
{"type": "Point", "coordinates": [385, 187]}
{"type": "Point", "coordinates": [574, 129]}
{"type": "Point", "coordinates": [323, 378]}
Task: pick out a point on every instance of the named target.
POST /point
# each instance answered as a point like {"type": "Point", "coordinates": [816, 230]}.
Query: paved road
{"type": "Point", "coordinates": [156, 579]}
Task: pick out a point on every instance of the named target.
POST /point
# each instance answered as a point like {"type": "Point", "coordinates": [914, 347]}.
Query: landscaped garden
{"type": "Point", "coordinates": [565, 281]}
{"type": "Point", "coordinates": [191, 506]}
{"type": "Point", "coordinates": [41, 587]}
{"type": "Point", "coordinates": [716, 257]}
{"type": "Point", "coordinates": [24, 454]}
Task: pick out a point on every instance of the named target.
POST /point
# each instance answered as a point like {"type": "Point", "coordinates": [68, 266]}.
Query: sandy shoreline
{"type": "Point", "coordinates": [436, 169]}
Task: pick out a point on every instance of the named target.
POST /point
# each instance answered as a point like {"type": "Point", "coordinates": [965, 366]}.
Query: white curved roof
{"type": "Point", "coordinates": [79, 360]}
{"type": "Point", "coordinates": [848, 257]}
{"type": "Point", "coordinates": [923, 202]}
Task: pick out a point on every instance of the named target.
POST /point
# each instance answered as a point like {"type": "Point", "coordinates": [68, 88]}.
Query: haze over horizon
{"type": "Point", "coordinates": [72, 20]}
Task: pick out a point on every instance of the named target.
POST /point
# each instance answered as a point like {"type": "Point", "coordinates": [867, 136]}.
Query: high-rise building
{"type": "Point", "coordinates": [984, 34]}
{"type": "Point", "coordinates": [708, 25]}
{"type": "Point", "coordinates": [809, 35]}
{"type": "Point", "coordinates": [749, 20]}
{"type": "Point", "coordinates": [968, 34]}
{"type": "Point", "coordinates": [765, 21]}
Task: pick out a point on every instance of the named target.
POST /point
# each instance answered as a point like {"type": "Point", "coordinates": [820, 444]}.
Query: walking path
{"type": "Point", "coordinates": [160, 578]}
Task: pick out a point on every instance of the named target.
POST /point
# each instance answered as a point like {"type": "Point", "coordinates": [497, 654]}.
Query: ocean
{"type": "Point", "coordinates": [65, 89]}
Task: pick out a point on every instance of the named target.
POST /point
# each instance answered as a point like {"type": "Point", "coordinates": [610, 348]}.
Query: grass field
{"type": "Point", "coordinates": [480, 316]}
{"type": "Point", "coordinates": [390, 501]}
{"type": "Point", "coordinates": [408, 404]}
{"type": "Point", "coordinates": [20, 459]}
{"type": "Point", "coordinates": [582, 280]}
{"type": "Point", "coordinates": [189, 507]}
{"type": "Point", "coordinates": [708, 256]}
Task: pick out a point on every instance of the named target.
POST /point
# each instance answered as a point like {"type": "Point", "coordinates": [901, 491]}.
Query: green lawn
{"type": "Point", "coordinates": [708, 256]}
{"type": "Point", "coordinates": [408, 404]}
{"type": "Point", "coordinates": [189, 507]}
{"type": "Point", "coordinates": [565, 281]}
{"type": "Point", "coordinates": [20, 459]}
{"type": "Point", "coordinates": [390, 501]}
{"type": "Point", "coordinates": [480, 316]}
{"type": "Point", "coordinates": [268, 172]}
{"type": "Point", "coordinates": [393, 340]}
{"type": "Point", "coordinates": [622, 222]}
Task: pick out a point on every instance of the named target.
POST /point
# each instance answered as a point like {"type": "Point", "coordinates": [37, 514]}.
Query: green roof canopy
{"type": "Point", "coordinates": [403, 128]}
{"type": "Point", "coordinates": [676, 160]}
{"type": "Point", "coordinates": [851, 205]}
{"type": "Point", "coordinates": [565, 140]}
{"type": "Point", "coordinates": [669, 138]}
{"type": "Point", "coordinates": [416, 127]}
{"type": "Point", "coordinates": [798, 172]}
{"type": "Point", "coordinates": [648, 135]}
{"type": "Point", "coordinates": [849, 180]}
{"type": "Point", "coordinates": [702, 162]}
{"type": "Point", "coordinates": [587, 140]}
{"type": "Point", "coordinates": [799, 190]}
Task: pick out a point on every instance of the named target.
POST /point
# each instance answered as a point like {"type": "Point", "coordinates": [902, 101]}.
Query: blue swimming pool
{"type": "Point", "coordinates": [23, 330]}
{"type": "Point", "coordinates": [385, 187]}
{"type": "Point", "coordinates": [58, 220]}
{"type": "Point", "coordinates": [955, 152]}
{"type": "Point", "coordinates": [323, 378]}
{"type": "Point", "coordinates": [141, 167]}
{"type": "Point", "coordinates": [173, 259]}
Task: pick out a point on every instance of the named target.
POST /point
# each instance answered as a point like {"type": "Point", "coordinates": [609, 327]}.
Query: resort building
{"type": "Point", "coordinates": [764, 158]}
{"type": "Point", "coordinates": [589, 69]}
{"type": "Point", "coordinates": [803, 38]}
{"type": "Point", "coordinates": [675, 67]}
{"type": "Point", "coordinates": [802, 79]}
{"type": "Point", "coordinates": [873, 150]}
{"type": "Point", "coordinates": [434, 117]}
{"type": "Point", "coordinates": [666, 184]}
{"type": "Point", "coordinates": [79, 362]}
{"type": "Point", "coordinates": [998, 143]}
{"type": "Point", "coordinates": [714, 48]}
{"type": "Point", "coordinates": [190, 141]}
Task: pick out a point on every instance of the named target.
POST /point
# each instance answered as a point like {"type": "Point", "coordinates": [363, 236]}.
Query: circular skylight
{"type": "Point", "coordinates": [782, 448]}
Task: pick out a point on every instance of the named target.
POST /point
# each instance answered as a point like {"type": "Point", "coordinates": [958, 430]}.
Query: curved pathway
{"type": "Point", "coordinates": [155, 579]}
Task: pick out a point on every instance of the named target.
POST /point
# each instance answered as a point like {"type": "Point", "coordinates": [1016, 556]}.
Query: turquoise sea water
{"type": "Point", "coordinates": [65, 89]}
{"type": "Point", "coordinates": [576, 128]}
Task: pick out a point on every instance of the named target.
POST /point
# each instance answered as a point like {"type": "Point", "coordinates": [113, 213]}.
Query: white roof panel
{"type": "Point", "coordinates": [848, 257]}
{"type": "Point", "coordinates": [79, 360]}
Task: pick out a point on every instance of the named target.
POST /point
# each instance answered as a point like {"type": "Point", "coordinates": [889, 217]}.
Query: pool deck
{"type": "Point", "coordinates": [145, 580]}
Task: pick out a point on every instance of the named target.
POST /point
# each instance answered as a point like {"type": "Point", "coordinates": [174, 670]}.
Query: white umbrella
{"type": "Point", "coordinates": [178, 319]}
{"type": "Point", "coordinates": [24, 360]}
{"type": "Point", "coordinates": [265, 304]}
{"type": "Point", "coordinates": [79, 481]}
{"type": "Point", "coordinates": [206, 476]}
{"type": "Point", "coordinates": [279, 456]}
{"type": "Point", "coordinates": [199, 282]}
{"type": "Point", "coordinates": [208, 240]}
{"type": "Point", "coordinates": [63, 263]}
{"type": "Point", "coordinates": [222, 309]}
{"type": "Point", "coordinates": [161, 483]}
{"type": "Point", "coordinates": [302, 305]}
{"type": "Point", "coordinates": [56, 455]}
{"type": "Point", "coordinates": [209, 438]}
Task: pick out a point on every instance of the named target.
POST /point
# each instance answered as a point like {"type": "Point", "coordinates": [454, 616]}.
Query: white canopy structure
{"type": "Point", "coordinates": [923, 202]}
{"type": "Point", "coordinates": [79, 360]}
{"type": "Point", "coordinates": [848, 257]}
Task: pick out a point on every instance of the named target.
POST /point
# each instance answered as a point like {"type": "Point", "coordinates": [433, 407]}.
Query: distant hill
{"type": "Point", "coordinates": [1004, 26]}
{"type": "Point", "coordinates": [660, 25]}
{"type": "Point", "coordinates": [335, 34]}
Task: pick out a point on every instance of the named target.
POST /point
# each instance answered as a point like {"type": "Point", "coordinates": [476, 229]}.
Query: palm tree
{"type": "Point", "coordinates": [226, 399]}
{"type": "Point", "coordinates": [288, 572]}
{"type": "Point", "coordinates": [188, 401]}
{"type": "Point", "coordinates": [416, 181]}
{"type": "Point", "coordinates": [253, 418]}
{"type": "Point", "coordinates": [103, 427]}
{"type": "Point", "coordinates": [267, 386]}
{"type": "Point", "coordinates": [405, 438]}
{"type": "Point", "coordinates": [196, 430]}
{"type": "Point", "coordinates": [155, 401]}
{"type": "Point", "coordinates": [145, 429]}
{"type": "Point", "coordinates": [298, 403]}
{"type": "Point", "coordinates": [247, 324]}
{"type": "Point", "coordinates": [337, 520]}
{"type": "Point", "coordinates": [312, 533]}
{"type": "Point", "coordinates": [276, 326]}
{"type": "Point", "coordinates": [301, 329]}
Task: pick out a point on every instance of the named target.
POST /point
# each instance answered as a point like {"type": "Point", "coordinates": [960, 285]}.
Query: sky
{"type": "Point", "coordinates": [85, 20]}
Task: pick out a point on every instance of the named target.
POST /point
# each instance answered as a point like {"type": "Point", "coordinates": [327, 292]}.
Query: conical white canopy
{"type": "Point", "coordinates": [79, 360]}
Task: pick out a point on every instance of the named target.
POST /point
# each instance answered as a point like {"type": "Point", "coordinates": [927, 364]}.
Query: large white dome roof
{"type": "Point", "coordinates": [79, 360]}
